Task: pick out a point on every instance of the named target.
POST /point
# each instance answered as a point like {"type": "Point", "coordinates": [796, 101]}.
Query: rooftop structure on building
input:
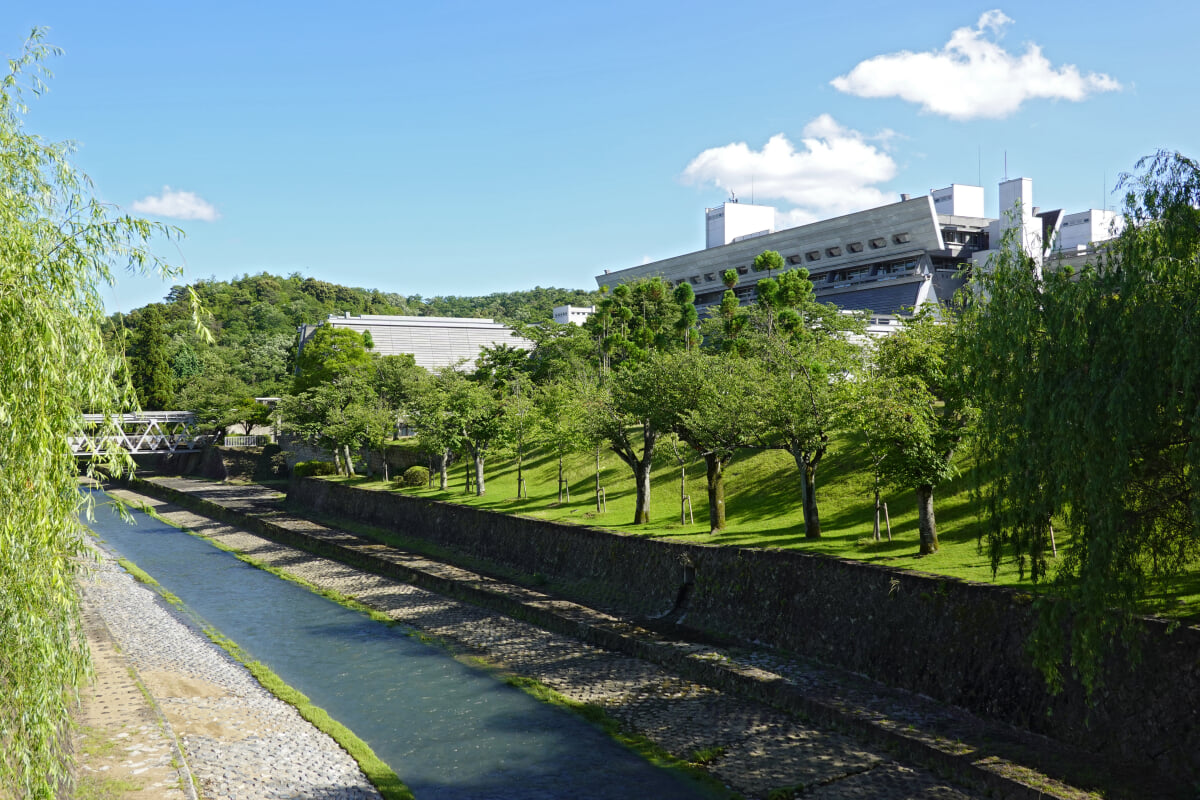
{"type": "Point", "coordinates": [887, 260]}
{"type": "Point", "coordinates": [566, 315]}
{"type": "Point", "coordinates": [434, 342]}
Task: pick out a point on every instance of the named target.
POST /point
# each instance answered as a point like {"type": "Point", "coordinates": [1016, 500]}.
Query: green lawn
{"type": "Point", "coordinates": [763, 510]}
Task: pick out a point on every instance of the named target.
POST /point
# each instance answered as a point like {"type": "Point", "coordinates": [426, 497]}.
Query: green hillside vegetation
{"type": "Point", "coordinates": [763, 508]}
{"type": "Point", "coordinates": [254, 319]}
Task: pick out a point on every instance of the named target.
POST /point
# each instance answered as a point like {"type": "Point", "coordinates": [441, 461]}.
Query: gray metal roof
{"type": "Point", "coordinates": [434, 342]}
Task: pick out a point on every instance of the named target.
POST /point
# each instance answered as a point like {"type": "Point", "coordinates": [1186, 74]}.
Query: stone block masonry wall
{"type": "Point", "coordinates": [958, 642]}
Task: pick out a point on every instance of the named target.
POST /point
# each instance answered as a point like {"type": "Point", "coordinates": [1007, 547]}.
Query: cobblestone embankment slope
{"type": "Point", "coordinates": [159, 682]}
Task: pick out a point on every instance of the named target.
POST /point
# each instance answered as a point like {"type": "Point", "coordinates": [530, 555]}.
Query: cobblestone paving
{"type": "Point", "coordinates": [240, 742]}
{"type": "Point", "coordinates": [751, 748]}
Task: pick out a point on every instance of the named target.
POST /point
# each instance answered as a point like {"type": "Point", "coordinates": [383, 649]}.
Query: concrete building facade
{"type": "Point", "coordinates": [886, 260]}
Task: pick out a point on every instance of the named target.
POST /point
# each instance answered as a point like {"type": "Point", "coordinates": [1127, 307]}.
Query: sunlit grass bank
{"type": "Point", "coordinates": [763, 510]}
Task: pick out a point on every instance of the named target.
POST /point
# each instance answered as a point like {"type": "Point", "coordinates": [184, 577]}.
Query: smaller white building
{"type": "Point", "coordinates": [565, 315]}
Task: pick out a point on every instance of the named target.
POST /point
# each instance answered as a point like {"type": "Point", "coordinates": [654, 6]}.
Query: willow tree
{"type": "Point", "coordinates": [58, 246]}
{"type": "Point", "coordinates": [1087, 384]}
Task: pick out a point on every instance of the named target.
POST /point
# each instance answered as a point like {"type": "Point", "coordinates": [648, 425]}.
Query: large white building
{"type": "Point", "coordinates": [434, 342]}
{"type": "Point", "coordinates": [886, 260]}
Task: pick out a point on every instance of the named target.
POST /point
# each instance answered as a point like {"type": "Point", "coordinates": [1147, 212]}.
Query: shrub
{"type": "Point", "coordinates": [415, 477]}
{"type": "Point", "coordinates": [307, 469]}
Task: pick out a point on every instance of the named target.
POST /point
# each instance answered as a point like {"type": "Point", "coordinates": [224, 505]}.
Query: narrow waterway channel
{"type": "Point", "coordinates": [449, 731]}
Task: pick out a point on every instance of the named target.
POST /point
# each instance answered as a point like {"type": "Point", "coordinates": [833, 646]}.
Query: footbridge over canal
{"type": "Point", "coordinates": [161, 432]}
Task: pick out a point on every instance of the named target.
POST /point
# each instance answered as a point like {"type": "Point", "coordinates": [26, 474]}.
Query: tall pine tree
{"type": "Point", "coordinates": [150, 369]}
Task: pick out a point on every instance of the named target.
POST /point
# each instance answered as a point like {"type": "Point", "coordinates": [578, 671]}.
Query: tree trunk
{"type": "Point", "coordinates": [349, 460]}
{"type": "Point", "coordinates": [479, 486]}
{"type": "Point", "coordinates": [641, 474]}
{"type": "Point", "coordinates": [807, 464]}
{"type": "Point", "coordinates": [444, 469]}
{"type": "Point", "coordinates": [877, 509]}
{"type": "Point", "coordinates": [812, 518]}
{"type": "Point", "coordinates": [926, 524]}
{"type": "Point", "coordinates": [560, 479]}
{"type": "Point", "coordinates": [520, 473]}
{"type": "Point", "coordinates": [716, 492]}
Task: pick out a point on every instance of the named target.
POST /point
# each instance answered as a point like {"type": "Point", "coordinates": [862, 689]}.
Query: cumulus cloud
{"type": "Point", "coordinates": [176, 204]}
{"type": "Point", "coordinates": [835, 171]}
{"type": "Point", "coordinates": [972, 76]}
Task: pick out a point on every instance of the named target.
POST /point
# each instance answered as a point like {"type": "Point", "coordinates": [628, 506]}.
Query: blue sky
{"type": "Point", "coordinates": [465, 148]}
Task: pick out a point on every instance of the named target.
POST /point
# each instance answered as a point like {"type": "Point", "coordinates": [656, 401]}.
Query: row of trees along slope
{"type": "Point", "coordinates": [785, 373]}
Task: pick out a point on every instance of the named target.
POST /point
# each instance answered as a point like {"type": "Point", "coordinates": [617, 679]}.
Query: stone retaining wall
{"type": "Point", "coordinates": [958, 642]}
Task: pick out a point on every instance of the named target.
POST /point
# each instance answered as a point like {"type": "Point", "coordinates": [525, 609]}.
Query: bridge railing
{"type": "Point", "coordinates": [145, 432]}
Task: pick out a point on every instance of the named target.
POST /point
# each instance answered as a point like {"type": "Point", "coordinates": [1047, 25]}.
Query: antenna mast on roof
{"type": "Point", "coordinates": [1005, 165]}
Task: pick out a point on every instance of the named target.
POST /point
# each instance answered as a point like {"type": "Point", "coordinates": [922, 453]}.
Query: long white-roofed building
{"type": "Point", "coordinates": [434, 342]}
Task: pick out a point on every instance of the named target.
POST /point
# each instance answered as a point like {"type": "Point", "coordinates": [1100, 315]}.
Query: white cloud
{"type": "Point", "coordinates": [177, 204]}
{"type": "Point", "coordinates": [972, 76]}
{"type": "Point", "coordinates": [835, 172]}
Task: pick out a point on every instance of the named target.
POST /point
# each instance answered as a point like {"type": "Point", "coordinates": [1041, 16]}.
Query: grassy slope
{"type": "Point", "coordinates": [763, 510]}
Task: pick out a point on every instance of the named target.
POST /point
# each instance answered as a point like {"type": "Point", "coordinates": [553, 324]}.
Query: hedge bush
{"type": "Point", "coordinates": [414, 477]}
{"type": "Point", "coordinates": [307, 469]}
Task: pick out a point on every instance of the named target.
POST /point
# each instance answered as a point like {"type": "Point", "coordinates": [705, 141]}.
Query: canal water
{"type": "Point", "coordinates": [449, 731]}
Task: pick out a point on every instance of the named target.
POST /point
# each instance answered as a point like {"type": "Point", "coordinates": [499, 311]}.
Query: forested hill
{"type": "Point", "coordinates": [254, 319]}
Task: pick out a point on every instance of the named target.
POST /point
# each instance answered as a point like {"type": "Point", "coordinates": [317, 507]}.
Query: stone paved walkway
{"type": "Point", "coordinates": [159, 680]}
{"type": "Point", "coordinates": [752, 748]}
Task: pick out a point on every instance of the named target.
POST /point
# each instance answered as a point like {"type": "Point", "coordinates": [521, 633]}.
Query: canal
{"type": "Point", "coordinates": [449, 731]}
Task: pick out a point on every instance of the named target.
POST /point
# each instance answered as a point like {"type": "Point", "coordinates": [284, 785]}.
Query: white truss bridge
{"type": "Point", "coordinates": [148, 432]}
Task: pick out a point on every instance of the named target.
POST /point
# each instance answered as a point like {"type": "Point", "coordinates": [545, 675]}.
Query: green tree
{"type": "Point", "coordinates": [559, 351]}
{"type": "Point", "coordinates": [635, 320]}
{"type": "Point", "coordinates": [330, 354]}
{"type": "Point", "coordinates": [631, 412]}
{"type": "Point", "coordinates": [560, 423]}
{"type": "Point", "coordinates": [1091, 412]}
{"type": "Point", "coordinates": [809, 352]}
{"type": "Point", "coordinates": [768, 261]}
{"type": "Point", "coordinates": [58, 245]}
{"type": "Point", "coordinates": [428, 410]}
{"type": "Point", "coordinates": [483, 423]}
{"type": "Point", "coordinates": [249, 413]}
{"type": "Point", "coordinates": [149, 368]}
{"type": "Point", "coordinates": [715, 414]}
{"type": "Point", "coordinates": [933, 412]}
{"type": "Point", "coordinates": [340, 415]}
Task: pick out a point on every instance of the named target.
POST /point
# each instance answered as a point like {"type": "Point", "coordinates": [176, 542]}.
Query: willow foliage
{"type": "Point", "coordinates": [57, 246]}
{"type": "Point", "coordinates": [1089, 386]}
